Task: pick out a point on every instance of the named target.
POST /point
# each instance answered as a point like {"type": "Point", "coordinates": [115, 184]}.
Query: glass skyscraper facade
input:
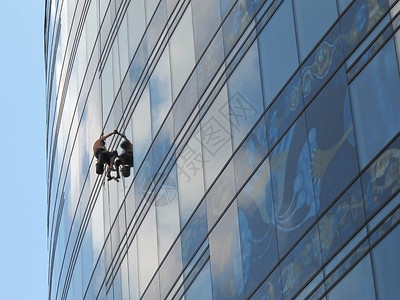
{"type": "Point", "coordinates": [266, 145]}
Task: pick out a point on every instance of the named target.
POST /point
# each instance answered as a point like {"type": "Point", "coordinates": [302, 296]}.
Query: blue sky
{"type": "Point", "coordinates": [23, 248]}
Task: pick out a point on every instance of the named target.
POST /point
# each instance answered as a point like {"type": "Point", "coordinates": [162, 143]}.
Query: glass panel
{"type": "Point", "coordinates": [341, 221]}
{"type": "Point", "coordinates": [147, 249]}
{"type": "Point", "coordinates": [160, 92]}
{"type": "Point", "coordinates": [331, 140]}
{"type": "Point", "coordinates": [190, 178]}
{"type": "Point", "coordinates": [136, 19]}
{"type": "Point", "coordinates": [270, 289]}
{"type": "Point", "coordinates": [245, 96]}
{"type": "Point", "coordinates": [374, 95]}
{"type": "Point", "coordinates": [206, 18]}
{"type": "Point", "coordinates": [167, 210]}
{"type": "Point", "coordinates": [220, 195]}
{"type": "Point", "coordinates": [274, 50]}
{"type": "Point", "coordinates": [141, 128]}
{"type": "Point", "coordinates": [313, 19]}
{"type": "Point", "coordinates": [359, 19]}
{"type": "Point", "coordinates": [182, 52]}
{"type": "Point", "coordinates": [194, 234]}
{"type": "Point", "coordinates": [201, 287]}
{"type": "Point", "coordinates": [382, 178]}
{"type": "Point", "coordinates": [360, 277]}
{"type": "Point", "coordinates": [225, 256]}
{"type": "Point", "coordinates": [215, 137]}
{"type": "Point", "coordinates": [284, 110]}
{"type": "Point", "coordinates": [133, 270]}
{"type": "Point", "coordinates": [170, 270]}
{"type": "Point", "coordinates": [292, 186]}
{"type": "Point", "coordinates": [236, 22]}
{"type": "Point", "coordinates": [387, 265]}
{"type": "Point", "coordinates": [250, 153]}
{"type": "Point", "coordinates": [210, 62]}
{"type": "Point", "coordinates": [257, 228]}
{"type": "Point", "coordinates": [301, 263]}
{"type": "Point", "coordinates": [322, 62]}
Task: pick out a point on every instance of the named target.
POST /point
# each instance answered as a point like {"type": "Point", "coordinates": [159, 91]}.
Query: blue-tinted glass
{"type": "Point", "coordinates": [194, 233]}
{"type": "Point", "coordinates": [157, 22]}
{"type": "Point", "coordinates": [382, 216]}
{"type": "Point", "coordinates": [358, 61]}
{"type": "Point", "coordinates": [322, 62]}
{"type": "Point", "coordinates": [206, 18]}
{"type": "Point", "coordinates": [245, 96]}
{"type": "Point", "coordinates": [270, 289]}
{"type": "Point", "coordinates": [170, 269]}
{"type": "Point", "coordinates": [141, 126]}
{"type": "Point", "coordinates": [137, 66]}
{"type": "Point", "coordinates": [220, 195]}
{"type": "Point", "coordinates": [284, 110]}
{"type": "Point", "coordinates": [210, 62]}
{"type": "Point", "coordinates": [225, 257]}
{"type": "Point", "coordinates": [387, 265]}
{"type": "Point", "coordinates": [167, 210]}
{"type": "Point", "coordinates": [236, 22]}
{"type": "Point", "coordinates": [274, 50]}
{"type": "Point", "coordinates": [301, 263]}
{"type": "Point", "coordinates": [162, 143]}
{"type": "Point", "coordinates": [375, 103]}
{"type": "Point", "coordinates": [382, 178]}
{"type": "Point", "coordinates": [341, 221]}
{"type": "Point", "coordinates": [313, 19]}
{"type": "Point", "coordinates": [359, 19]}
{"type": "Point", "coordinates": [342, 4]}
{"type": "Point", "coordinates": [160, 92]}
{"type": "Point", "coordinates": [292, 186]}
{"type": "Point", "coordinates": [257, 228]}
{"type": "Point", "coordinates": [250, 153]}
{"type": "Point", "coordinates": [201, 287]}
{"type": "Point", "coordinates": [358, 284]}
{"type": "Point", "coordinates": [331, 139]}
{"type": "Point", "coordinates": [185, 103]}
{"type": "Point", "coordinates": [143, 182]}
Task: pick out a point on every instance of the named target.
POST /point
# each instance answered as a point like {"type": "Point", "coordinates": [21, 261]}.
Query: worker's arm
{"type": "Point", "coordinates": [124, 136]}
{"type": "Point", "coordinates": [108, 135]}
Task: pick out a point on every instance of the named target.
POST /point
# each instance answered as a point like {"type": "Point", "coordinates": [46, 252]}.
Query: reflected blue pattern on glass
{"type": "Point", "coordinates": [359, 19]}
{"type": "Point", "coordinates": [284, 110]}
{"type": "Point", "coordinates": [382, 178]}
{"type": "Point", "coordinates": [270, 289]}
{"type": "Point", "coordinates": [225, 257]}
{"type": "Point", "coordinates": [236, 22]}
{"type": "Point", "coordinates": [194, 234]}
{"type": "Point", "coordinates": [331, 139]}
{"type": "Point", "coordinates": [301, 263]}
{"type": "Point", "coordinates": [341, 221]}
{"type": "Point", "coordinates": [295, 207]}
{"type": "Point", "coordinates": [250, 153]}
{"type": "Point", "coordinates": [321, 63]}
{"type": "Point", "coordinates": [257, 228]}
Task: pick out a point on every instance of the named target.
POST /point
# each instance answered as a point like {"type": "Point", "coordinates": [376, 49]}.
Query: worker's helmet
{"type": "Point", "coordinates": [125, 145]}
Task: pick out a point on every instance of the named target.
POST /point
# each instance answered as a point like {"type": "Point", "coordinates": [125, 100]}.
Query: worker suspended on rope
{"type": "Point", "coordinates": [125, 159]}
{"type": "Point", "coordinates": [104, 156]}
